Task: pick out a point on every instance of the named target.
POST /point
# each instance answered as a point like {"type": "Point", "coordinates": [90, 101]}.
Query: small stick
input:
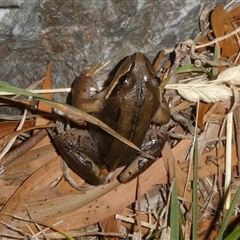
{"type": "Point", "coordinates": [24, 147]}
{"type": "Point", "coordinates": [56, 90]}
{"type": "Point", "coordinates": [218, 39]}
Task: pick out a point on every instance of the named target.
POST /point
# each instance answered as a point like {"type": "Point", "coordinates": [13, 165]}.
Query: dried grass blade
{"type": "Point", "coordinates": [40, 223]}
{"type": "Point", "coordinates": [73, 113]}
{"type": "Point", "coordinates": [228, 168]}
{"type": "Point", "coordinates": [95, 206]}
{"type": "Point", "coordinates": [195, 189]}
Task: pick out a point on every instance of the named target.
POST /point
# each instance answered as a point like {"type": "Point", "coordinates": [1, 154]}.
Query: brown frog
{"type": "Point", "coordinates": [131, 102]}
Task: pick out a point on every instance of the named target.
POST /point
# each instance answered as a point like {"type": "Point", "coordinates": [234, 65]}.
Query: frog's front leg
{"type": "Point", "coordinates": [81, 91]}
{"type": "Point", "coordinates": [153, 144]}
{"type": "Point", "coordinates": [80, 152]}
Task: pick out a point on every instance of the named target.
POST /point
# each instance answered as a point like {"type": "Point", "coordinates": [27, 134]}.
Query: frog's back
{"type": "Point", "coordinates": [132, 102]}
{"type": "Point", "coordinates": [130, 122]}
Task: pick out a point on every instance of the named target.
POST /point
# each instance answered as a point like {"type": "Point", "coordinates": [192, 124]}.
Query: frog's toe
{"type": "Point", "coordinates": [139, 165]}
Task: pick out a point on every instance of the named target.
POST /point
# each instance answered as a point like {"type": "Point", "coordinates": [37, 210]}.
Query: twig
{"type": "Point", "coordinates": [10, 143]}
{"type": "Point", "coordinates": [55, 90]}
{"type": "Point", "coordinates": [24, 147]}
{"type": "Point", "coordinates": [132, 220]}
{"type": "Point", "coordinates": [139, 233]}
{"type": "Point", "coordinates": [81, 234]}
{"type": "Point", "coordinates": [217, 39]}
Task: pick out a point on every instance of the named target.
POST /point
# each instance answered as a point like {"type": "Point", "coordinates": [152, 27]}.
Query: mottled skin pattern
{"type": "Point", "coordinates": [128, 106]}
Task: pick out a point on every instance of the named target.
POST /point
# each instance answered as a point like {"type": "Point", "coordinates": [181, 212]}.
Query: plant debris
{"type": "Point", "coordinates": [202, 88]}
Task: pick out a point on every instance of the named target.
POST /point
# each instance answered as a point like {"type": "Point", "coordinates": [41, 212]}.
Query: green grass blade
{"type": "Point", "coordinates": [72, 112]}
{"type": "Point", "coordinates": [185, 69]}
{"type": "Point", "coordinates": [174, 213]}
{"type": "Point", "coordinates": [228, 216]}
{"type": "Point", "coordinates": [190, 68]}
{"type": "Point", "coordinates": [216, 56]}
{"type": "Point", "coordinates": [235, 234]}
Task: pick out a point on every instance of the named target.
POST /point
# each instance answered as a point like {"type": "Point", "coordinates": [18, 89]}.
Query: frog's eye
{"type": "Point", "coordinates": [123, 80]}
{"type": "Point", "coordinates": [158, 81]}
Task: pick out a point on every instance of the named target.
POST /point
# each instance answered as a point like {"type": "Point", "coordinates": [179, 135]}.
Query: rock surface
{"type": "Point", "coordinates": [77, 34]}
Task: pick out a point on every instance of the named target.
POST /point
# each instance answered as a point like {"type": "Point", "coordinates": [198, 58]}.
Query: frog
{"type": "Point", "coordinates": [129, 105]}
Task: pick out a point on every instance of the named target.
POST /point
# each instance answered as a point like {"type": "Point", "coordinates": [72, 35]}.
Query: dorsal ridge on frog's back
{"type": "Point", "coordinates": [141, 88]}
{"type": "Point", "coordinates": [131, 105]}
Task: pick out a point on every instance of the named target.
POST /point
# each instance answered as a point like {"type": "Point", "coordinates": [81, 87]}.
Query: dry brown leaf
{"type": "Point", "coordinates": [32, 155]}
{"type": "Point", "coordinates": [203, 108]}
{"type": "Point", "coordinates": [10, 126]}
{"type": "Point", "coordinates": [47, 84]}
{"type": "Point", "coordinates": [175, 172]}
{"type": "Point", "coordinates": [209, 135]}
{"type": "Point", "coordinates": [203, 40]}
{"type": "Point", "coordinates": [222, 25]}
{"type": "Point", "coordinates": [21, 171]}
{"type": "Point", "coordinates": [64, 185]}
{"type": "Point", "coordinates": [208, 112]}
{"type": "Point", "coordinates": [5, 140]}
{"type": "Point", "coordinates": [40, 179]}
{"type": "Point", "coordinates": [234, 14]}
{"type": "Point", "coordinates": [216, 111]}
{"type": "Point", "coordinates": [183, 105]}
{"type": "Point", "coordinates": [52, 193]}
{"type": "Point", "coordinates": [107, 204]}
{"type": "Point", "coordinates": [70, 213]}
{"type": "Point", "coordinates": [204, 18]}
{"type": "Point", "coordinates": [180, 150]}
{"type": "Point", "coordinates": [158, 60]}
{"type": "Point", "coordinates": [89, 211]}
{"type": "Point", "coordinates": [111, 224]}
{"type": "Point", "coordinates": [207, 227]}
{"type": "Point", "coordinates": [6, 192]}
{"type": "Point", "coordinates": [208, 169]}
{"type": "Point", "coordinates": [23, 147]}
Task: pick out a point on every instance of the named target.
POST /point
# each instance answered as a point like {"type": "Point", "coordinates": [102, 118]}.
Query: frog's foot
{"type": "Point", "coordinates": [153, 144]}
{"type": "Point", "coordinates": [93, 71]}
{"type": "Point", "coordinates": [86, 79]}
{"type": "Point", "coordinates": [80, 153]}
{"type": "Point", "coordinates": [139, 165]}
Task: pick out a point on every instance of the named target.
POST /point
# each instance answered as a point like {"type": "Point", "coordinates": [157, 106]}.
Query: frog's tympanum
{"type": "Point", "coordinates": [131, 102]}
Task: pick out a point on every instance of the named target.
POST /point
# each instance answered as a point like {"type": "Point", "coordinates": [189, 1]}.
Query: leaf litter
{"type": "Point", "coordinates": [201, 86]}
